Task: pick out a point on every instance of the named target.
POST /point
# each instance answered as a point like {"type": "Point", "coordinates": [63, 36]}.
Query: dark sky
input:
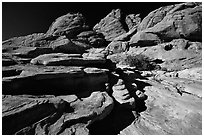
{"type": "Point", "coordinates": [19, 19]}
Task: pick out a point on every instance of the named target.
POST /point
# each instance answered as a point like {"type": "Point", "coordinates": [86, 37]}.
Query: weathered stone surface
{"type": "Point", "coordinates": [175, 55]}
{"type": "Point", "coordinates": [30, 52]}
{"type": "Point", "coordinates": [171, 22]}
{"type": "Point", "coordinates": [122, 95]}
{"type": "Point", "coordinates": [60, 59]}
{"type": "Point", "coordinates": [144, 39]}
{"type": "Point", "coordinates": [58, 83]}
{"type": "Point", "coordinates": [33, 40]}
{"type": "Point", "coordinates": [192, 74]}
{"type": "Point", "coordinates": [53, 115]}
{"type": "Point", "coordinates": [111, 26]}
{"type": "Point", "coordinates": [70, 25]}
{"type": "Point", "coordinates": [173, 107]}
{"type": "Point", "coordinates": [19, 112]}
{"type": "Point", "coordinates": [64, 45]}
{"type": "Point", "coordinates": [126, 36]}
{"type": "Point", "coordinates": [8, 62]}
{"type": "Point", "coordinates": [117, 47]}
{"type": "Point", "coordinates": [96, 52]}
{"type": "Point", "coordinates": [132, 20]}
{"type": "Point", "coordinates": [157, 15]}
{"type": "Point", "coordinates": [54, 79]}
{"type": "Point", "coordinates": [92, 38]}
{"type": "Point", "coordinates": [180, 24]}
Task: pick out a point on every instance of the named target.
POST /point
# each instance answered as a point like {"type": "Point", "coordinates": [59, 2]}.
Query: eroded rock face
{"type": "Point", "coordinates": [64, 45]}
{"type": "Point", "coordinates": [157, 15]}
{"type": "Point", "coordinates": [54, 115]}
{"type": "Point", "coordinates": [168, 23]}
{"type": "Point", "coordinates": [117, 47]}
{"type": "Point", "coordinates": [132, 20]}
{"type": "Point", "coordinates": [33, 40]}
{"type": "Point", "coordinates": [171, 101]}
{"type": "Point", "coordinates": [111, 26]}
{"type": "Point", "coordinates": [53, 79]}
{"type": "Point", "coordinates": [92, 38]}
{"type": "Point", "coordinates": [60, 59]}
{"type": "Point", "coordinates": [76, 81]}
{"type": "Point", "coordinates": [122, 95]}
{"type": "Point", "coordinates": [175, 55]}
{"type": "Point", "coordinates": [70, 25]}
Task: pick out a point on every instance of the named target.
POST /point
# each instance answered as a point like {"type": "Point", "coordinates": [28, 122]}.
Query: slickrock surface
{"type": "Point", "coordinates": [126, 75]}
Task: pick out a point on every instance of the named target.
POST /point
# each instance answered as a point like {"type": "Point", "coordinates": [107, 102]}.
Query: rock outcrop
{"type": "Point", "coordinates": [168, 23]}
{"type": "Point", "coordinates": [54, 115]}
{"type": "Point", "coordinates": [127, 76]}
{"type": "Point", "coordinates": [70, 25]}
{"type": "Point", "coordinates": [133, 20]}
{"type": "Point", "coordinates": [111, 26]}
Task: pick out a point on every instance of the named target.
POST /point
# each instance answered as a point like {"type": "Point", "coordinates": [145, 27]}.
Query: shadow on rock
{"type": "Point", "coordinates": [116, 121]}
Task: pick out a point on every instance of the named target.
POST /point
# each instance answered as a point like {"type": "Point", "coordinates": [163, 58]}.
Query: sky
{"type": "Point", "coordinates": [24, 18]}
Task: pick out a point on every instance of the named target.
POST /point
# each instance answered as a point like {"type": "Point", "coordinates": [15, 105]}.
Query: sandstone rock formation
{"type": "Point", "coordinates": [171, 22]}
{"type": "Point", "coordinates": [133, 20]}
{"type": "Point", "coordinates": [111, 26]}
{"type": "Point", "coordinates": [69, 25]}
{"type": "Point", "coordinates": [127, 76]}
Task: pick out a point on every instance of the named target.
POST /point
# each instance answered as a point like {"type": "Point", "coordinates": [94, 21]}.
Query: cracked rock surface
{"type": "Point", "coordinates": [124, 76]}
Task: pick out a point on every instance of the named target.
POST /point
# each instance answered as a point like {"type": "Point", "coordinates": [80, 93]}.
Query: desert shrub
{"type": "Point", "coordinates": [141, 62]}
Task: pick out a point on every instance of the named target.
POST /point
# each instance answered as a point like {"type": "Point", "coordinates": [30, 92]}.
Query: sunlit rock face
{"type": "Point", "coordinates": [126, 75]}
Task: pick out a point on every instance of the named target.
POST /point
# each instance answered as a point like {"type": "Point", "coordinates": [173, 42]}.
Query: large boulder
{"type": "Point", "coordinates": [142, 38]}
{"type": "Point", "coordinates": [92, 38]}
{"type": "Point", "coordinates": [171, 22]}
{"type": "Point", "coordinates": [70, 25]}
{"type": "Point", "coordinates": [111, 26]}
{"type": "Point", "coordinates": [157, 15]}
{"type": "Point", "coordinates": [64, 45]}
{"type": "Point", "coordinates": [117, 47]}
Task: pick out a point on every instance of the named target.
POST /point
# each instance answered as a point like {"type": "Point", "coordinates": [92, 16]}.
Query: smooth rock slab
{"type": "Point", "coordinates": [54, 80]}
{"type": "Point", "coordinates": [59, 59]}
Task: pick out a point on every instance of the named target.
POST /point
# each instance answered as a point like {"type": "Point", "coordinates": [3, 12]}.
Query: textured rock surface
{"type": "Point", "coordinates": [64, 45]}
{"type": "Point", "coordinates": [133, 20]}
{"type": "Point", "coordinates": [33, 40]}
{"type": "Point", "coordinates": [171, 22]}
{"type": "Point", "coordinates": [60, 80]}
{"type": "Point", "coordinates": [60, 59]}
{"type": "Point", "coordinates": [70, 25]}
{"type": "Point", "coordinates": [123, 77]}
{"type": "Point", "coordinates": [122, 95]}
{"type": "Point", "coordinates": [92, 38]}
{"type": "Point", "coordinates": [117, 47]}
{"type": "Point", "coordinates": [111, 26]}
{"type": "Point", "coordinates": [175, 55]}
{"type": "Point", "coordinates": [173, 107]}
{"type": "Point", "coordinates": [54, 115]}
